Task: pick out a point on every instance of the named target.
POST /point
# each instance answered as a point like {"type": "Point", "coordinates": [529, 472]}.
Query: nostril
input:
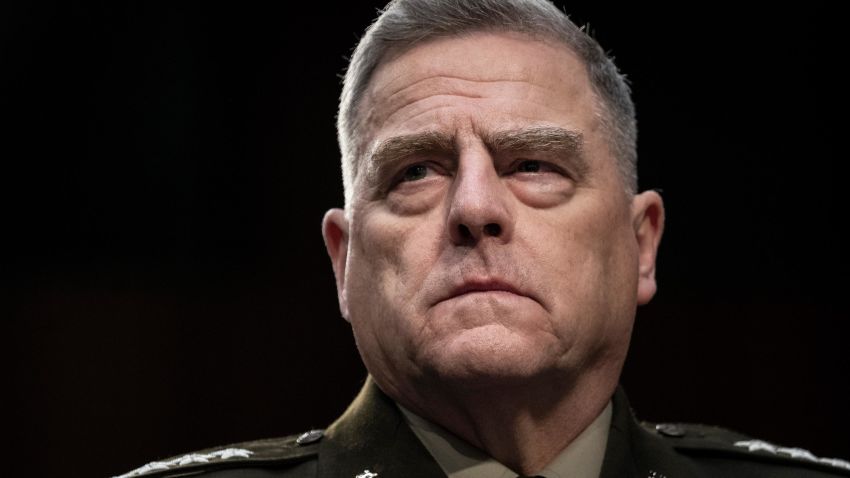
{"type": "Point", "coordinates": [492, 229]}
{"type": "Point", "coordinates": [464, 231]}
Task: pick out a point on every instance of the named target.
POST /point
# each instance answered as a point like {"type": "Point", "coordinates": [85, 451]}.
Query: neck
{"type": "Point", "coordinates": [523, 426]}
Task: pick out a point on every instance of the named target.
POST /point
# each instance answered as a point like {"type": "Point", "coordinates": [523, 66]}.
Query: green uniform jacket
{"type": "Point", "coordinates": [372, 440]}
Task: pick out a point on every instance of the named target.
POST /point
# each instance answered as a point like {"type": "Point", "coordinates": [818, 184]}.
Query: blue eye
{"type": "Point", "coordinates": [415, 173]}
{"type": "Point", "coordinates": [529, 167]}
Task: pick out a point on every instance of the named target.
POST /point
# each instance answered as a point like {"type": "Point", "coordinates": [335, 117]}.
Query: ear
{"type": "Point", "coordinates": [648, 223]}
{"type": "Point", "coordinates": [335, 232]}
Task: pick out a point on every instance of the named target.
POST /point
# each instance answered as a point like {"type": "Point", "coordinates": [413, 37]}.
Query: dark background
{"type": "Point", "coordinates": [165, 170]}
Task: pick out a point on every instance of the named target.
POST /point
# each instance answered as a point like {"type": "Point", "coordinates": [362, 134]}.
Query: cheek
{"type": "Point", "coordinates": [614, 264]}
{"type": "Point", "coordinates": [592, 264]}
{"type": "Point", "coordinates": [388, 261]}
{"type": "Point", "coordinates": [417, 198]}
{"type": "Point", "coordinates": [601, 226]}
{"type": "Point", "coordinates": [390, 258]}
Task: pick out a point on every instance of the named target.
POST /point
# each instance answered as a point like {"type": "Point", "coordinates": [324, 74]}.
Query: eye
{"type": "Point", "coordinates": [536, 170]}
{"type": "Point", "coordinates": [529, 167]}
{"type": "Point", "coordinates": [415, 173]}
{"type": "Point", "coordinates": [415, 178]}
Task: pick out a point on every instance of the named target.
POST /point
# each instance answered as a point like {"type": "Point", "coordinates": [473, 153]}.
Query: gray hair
{"type": "Point", "coordinates": [405, 23]}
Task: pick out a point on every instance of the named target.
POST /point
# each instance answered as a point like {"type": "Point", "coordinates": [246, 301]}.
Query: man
{"type": "Point", "coordinates": [490, 258]}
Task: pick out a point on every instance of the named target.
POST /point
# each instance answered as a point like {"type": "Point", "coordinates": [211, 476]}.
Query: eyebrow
{"type": "Point", "coordinates": [399, 148]}
{"type": "Point", "coordinates": [560, 142]}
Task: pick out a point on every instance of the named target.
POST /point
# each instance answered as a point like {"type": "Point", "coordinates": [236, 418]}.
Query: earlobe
{"type": "Point", "coordinates": [648, 222]}
{"type": "Point", "coordinates": [335, 233]}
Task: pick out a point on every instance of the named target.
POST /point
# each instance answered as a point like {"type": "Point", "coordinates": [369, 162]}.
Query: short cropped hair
{"type": "Point", "coordinates": [405, 23]}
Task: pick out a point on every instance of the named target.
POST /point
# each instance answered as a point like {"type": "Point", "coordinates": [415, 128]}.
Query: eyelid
{"type": "Point", "coordinates": [545, 166]}
{"type": "Point", "coordinates": [398, 177]}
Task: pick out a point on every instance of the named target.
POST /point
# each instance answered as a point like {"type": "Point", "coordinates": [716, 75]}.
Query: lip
{"type": "Point", "coordinates": [482, 285]}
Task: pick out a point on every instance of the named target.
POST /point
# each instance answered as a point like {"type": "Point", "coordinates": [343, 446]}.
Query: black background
{"type": "Point", "coordinates": [165, 170]}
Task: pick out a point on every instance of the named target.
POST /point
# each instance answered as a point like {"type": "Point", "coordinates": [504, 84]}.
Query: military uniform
{"type": "Point", "coordinates": [372, 440]}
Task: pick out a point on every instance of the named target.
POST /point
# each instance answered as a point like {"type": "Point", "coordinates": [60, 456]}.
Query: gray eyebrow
{"type": "Point", "coordinates": [546, 139]}
{"type": "Point", "coordinates": [400, 147]}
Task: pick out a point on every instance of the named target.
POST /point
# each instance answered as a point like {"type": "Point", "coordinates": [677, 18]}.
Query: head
{"type": "Point", "coordinates": [492, 234]}
{"type": "Point", "coordinates": [404, 24]}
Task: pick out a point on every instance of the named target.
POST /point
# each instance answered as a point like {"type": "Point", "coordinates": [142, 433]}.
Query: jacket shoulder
{"type": "Point", "coordinates": [280, 453]}
{"type": "Point", "coordinates": [725, 449]}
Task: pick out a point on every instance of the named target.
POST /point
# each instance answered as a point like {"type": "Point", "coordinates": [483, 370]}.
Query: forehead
{"type": "Point", "coordinates": [479, 82]}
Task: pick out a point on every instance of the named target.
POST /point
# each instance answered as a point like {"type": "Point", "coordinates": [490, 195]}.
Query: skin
{"type": "Point", "coordinates": [492, 288]}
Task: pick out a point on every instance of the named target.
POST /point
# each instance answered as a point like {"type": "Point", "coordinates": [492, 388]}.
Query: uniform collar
{"type": "Point", "coordinates": [373, 435]}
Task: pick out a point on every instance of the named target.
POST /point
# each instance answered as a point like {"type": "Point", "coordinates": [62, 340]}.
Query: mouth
{"type": "Point", "coordinates": [482, 286]}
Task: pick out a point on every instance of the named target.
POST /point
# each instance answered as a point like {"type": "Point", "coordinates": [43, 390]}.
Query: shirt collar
{"type": "Point", "coordinates": [458, 459]}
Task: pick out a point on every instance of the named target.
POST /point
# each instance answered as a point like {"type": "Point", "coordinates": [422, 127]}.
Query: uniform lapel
{"type": "Point", "coordinates": [635, 452]}
{"type": "Point", "coordinates": [372, 435]}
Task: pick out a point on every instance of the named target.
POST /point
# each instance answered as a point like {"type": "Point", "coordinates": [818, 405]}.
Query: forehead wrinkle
{"type": "Point", "coordinates": [449, 121]}
{"type": "Point", "coordinates": [388, 105]}
{"type": "Point", "coordinates": [446, 78]}
{"type": "Point", "coordinates": [385, 109]}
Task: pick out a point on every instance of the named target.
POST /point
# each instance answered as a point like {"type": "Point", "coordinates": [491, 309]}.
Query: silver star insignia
{"type": "Point", "coordinates": [797, 453]}
{"type": "Point", "coordinates": [189, 459]}
{"type": "Point", "coordinates": [756, 445]}
{"type": "Point", "coordinates": [835, 462]}
{"type": "Point", "coordinates": [234, 453]}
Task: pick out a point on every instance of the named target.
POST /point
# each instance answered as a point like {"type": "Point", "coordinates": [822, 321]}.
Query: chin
{"type": "Point", "coordinates": [488, 354]}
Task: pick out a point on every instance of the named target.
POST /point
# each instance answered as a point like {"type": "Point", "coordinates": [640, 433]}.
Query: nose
{"type": "Point", "coordinates": [480, 202]}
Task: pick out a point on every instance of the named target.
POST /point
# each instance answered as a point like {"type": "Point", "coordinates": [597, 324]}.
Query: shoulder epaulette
{"type": "Point", "coordinates": [273, 451]}
{"type": "Point", "coordinates": [700, 439]}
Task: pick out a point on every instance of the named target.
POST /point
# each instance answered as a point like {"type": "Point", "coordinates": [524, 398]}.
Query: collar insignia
{"type": "Point", "coordinates": [189, 459]}
{"type": "Point", "coordinates": [758, 445]}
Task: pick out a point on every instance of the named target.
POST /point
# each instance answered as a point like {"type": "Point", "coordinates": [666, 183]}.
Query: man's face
{"type": "Point", "coordinates": [490, 237]}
